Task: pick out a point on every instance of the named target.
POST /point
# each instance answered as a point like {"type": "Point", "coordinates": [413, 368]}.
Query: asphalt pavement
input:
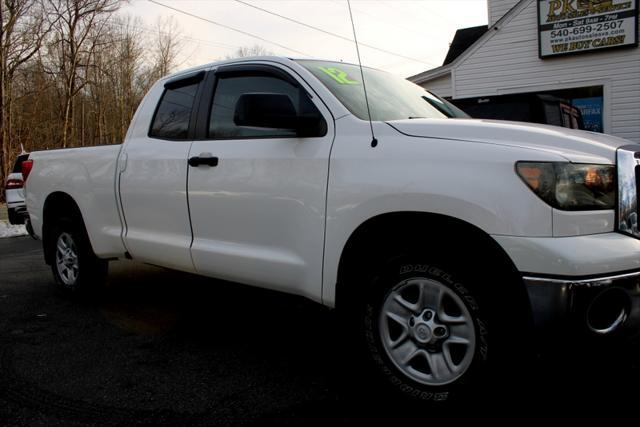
{"type": "Point", "coordinates": [166, 348]}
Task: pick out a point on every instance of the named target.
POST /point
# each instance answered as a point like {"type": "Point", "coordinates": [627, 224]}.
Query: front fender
{"type": "Point", "coordinates": [471, 182]}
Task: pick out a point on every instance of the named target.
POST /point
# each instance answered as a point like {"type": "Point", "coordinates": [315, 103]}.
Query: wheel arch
{"type": "Point", "coordinates": [58, 205]}
{"type": "Point", "coordinates": [369, 240]}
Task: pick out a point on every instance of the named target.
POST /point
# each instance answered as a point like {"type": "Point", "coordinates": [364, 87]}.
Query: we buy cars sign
{"type": "Point", "coordinates": [575, 26]}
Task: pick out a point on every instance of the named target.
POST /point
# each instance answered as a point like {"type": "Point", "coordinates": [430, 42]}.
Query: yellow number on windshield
{"type": "Point", "coordinates": [339, 75]}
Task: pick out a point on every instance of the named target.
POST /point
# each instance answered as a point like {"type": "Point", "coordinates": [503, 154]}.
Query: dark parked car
{"type": "Point", "coordinates": [533, 108]}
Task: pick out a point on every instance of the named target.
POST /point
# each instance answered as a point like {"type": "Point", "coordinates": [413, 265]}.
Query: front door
{"type": "Point", "coordinates": [257, 196]}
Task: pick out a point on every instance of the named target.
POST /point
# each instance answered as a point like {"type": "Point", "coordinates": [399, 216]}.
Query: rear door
{"type": "Point", "coordinates": [153, 184]}
{"type": "Point", "coordinates": [258, 211]}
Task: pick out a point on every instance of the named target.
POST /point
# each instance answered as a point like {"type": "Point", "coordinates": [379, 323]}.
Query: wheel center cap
{"type": "Point", "coordinates": [422, 333]}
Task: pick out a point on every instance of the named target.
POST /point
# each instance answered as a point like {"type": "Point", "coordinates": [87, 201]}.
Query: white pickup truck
{"type": "Point", "coordinates": [444, 241]}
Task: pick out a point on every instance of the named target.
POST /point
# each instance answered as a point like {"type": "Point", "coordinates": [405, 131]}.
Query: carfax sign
{"type": "Point", "coordinates": [573, 26]}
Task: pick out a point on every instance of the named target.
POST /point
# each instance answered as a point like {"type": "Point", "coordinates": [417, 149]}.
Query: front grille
{"type": "Point", "coordinates": [628, 187]}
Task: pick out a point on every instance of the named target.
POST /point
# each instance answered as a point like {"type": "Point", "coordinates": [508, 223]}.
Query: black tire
{"type": "Point", "coordinates": [30, 229]}
{"type": "Point", "coordinates": [402, 271]}
{"type": "Point", "coordinates": [90, 272]}
{"type": "Point", "coordinates": [15, 217]}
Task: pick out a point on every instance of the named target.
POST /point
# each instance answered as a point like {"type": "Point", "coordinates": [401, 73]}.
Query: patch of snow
{"type": "Point", "coordinates": [8, 230]}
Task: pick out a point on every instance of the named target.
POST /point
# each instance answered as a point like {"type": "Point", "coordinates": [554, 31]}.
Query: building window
{"type": "Point", "coordinates": [578, 108]}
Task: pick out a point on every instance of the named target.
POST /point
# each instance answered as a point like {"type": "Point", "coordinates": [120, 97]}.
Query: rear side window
{"type": "Point", "coordinates": [173, 114]}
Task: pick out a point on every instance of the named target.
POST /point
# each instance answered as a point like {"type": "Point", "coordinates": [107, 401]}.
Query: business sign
{"type": "Point", "coordinates": [575, 26]}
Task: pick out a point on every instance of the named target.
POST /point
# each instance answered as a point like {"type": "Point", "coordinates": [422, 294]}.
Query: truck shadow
{"type": "Point", "coordinates": [298, 337]}
{"type": "Point", "coordinates": [163, 347]}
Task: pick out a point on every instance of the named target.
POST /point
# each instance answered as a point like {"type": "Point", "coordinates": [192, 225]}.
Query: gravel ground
{"type": "Point", "coordinates": [166, 348]}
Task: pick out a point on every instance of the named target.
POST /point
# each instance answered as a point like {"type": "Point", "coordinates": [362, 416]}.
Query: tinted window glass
{"type": "Point", "coordinates": [500, 110]}
{"type": "Point", "coordinates": [174, 112]}
{"type": "Point", "coordinates": [17, 166]}
{"type": "Point", "coordinates": [552, 112]}
{"type": "Point", "coordinates": [228, 91]}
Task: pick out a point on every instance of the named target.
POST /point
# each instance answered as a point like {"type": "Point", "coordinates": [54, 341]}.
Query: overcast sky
{"type": "Point", "coordinates": [418, 32]}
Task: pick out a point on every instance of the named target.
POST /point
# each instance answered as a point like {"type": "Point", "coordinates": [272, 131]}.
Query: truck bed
{"type": "Point", "coordinates": [88, 175]}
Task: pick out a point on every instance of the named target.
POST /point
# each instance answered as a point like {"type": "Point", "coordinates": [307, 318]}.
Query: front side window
{"type": "Point", "coordinates": [390, 97]}
{"type": "Point", "coordinates": [229, 89]}
{"type": "Point", "coordinates": [173, 114]}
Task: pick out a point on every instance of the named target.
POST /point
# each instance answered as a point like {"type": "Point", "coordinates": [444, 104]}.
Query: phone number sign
{"type": "Point", "coordinates": [575, 26]}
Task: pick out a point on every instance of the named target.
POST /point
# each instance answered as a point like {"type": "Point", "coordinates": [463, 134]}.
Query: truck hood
{"type": "Point", "coordinates": [574, 145]}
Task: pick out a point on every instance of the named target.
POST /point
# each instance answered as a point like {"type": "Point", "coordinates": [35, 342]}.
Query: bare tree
{"type": "Point", "coordinates": [115, 87]}
{"type": "Point", "coordinates": [21, 36]}
{"type": "Point", "coordinates": [255, 50]}
{"type": "Point", "coordinates": [167, 46]}
{"type": "Point", "coordinates": [78, 30]}
{"type": "Point", "coordinates": [128, 58]}
{"type": "Point", "coordinates": [73, 72]}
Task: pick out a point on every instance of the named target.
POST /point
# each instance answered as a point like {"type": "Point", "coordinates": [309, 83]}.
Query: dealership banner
{"type": "Point", "coordinates": [574, 26]}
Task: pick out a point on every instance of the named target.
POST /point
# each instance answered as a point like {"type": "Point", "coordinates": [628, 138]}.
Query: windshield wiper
{"type": "Point", "coordinates": [417, 117]}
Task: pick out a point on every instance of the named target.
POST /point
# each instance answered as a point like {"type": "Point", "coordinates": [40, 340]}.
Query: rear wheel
{"type": "Point", "coordinates": [76, 269]}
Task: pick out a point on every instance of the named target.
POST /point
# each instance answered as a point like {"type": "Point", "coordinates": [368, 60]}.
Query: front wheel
{"type": "Point", "coordinates": [425, 331]}
{"type": "Point", "coordinates": [74, 265]}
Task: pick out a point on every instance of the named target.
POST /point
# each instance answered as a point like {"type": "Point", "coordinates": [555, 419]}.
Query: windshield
{"type": "Point", "coordinates": [390, 97]}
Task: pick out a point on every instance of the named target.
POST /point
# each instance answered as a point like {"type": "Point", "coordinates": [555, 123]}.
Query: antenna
{"type": "Point", "coordinates": [374, 141]}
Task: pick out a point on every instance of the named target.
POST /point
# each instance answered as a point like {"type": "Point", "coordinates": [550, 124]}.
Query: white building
{"type": "Point", "coordinates": [523, 52]}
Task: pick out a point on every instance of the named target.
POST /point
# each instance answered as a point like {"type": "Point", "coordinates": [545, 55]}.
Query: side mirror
{"type": "Point", "coordinates": [276, 111]}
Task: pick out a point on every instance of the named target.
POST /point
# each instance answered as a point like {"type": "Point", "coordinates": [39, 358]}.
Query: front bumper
{"type": "Point", "coordinates": [599, 305]}
{"type": "Point", "coordinates": [574, 257]}
{"type": "Point", "coordinates": [567, 276]}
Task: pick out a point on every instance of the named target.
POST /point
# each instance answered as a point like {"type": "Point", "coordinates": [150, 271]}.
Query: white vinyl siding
{"type": "Point", "coordinates": [508, 62]}
{"type": "Point", "coordinates": [441, 86]}
{"type": "Point", "coordinates": [498, 8]}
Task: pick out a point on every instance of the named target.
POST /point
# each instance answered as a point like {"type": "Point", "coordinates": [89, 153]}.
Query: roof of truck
{"type": "Point", "coordinates": [269, 58]}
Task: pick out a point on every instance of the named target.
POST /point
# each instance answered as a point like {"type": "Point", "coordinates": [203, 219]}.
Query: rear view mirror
{"type": "Point", "coordinates": [276, 111]}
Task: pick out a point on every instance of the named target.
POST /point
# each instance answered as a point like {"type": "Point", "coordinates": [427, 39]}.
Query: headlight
{"type": "Point", "coordinates": [571, 186]}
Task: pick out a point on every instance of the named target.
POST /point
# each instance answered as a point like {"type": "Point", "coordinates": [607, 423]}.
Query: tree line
{"type": "Point", "coordinates": [72, 72]}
